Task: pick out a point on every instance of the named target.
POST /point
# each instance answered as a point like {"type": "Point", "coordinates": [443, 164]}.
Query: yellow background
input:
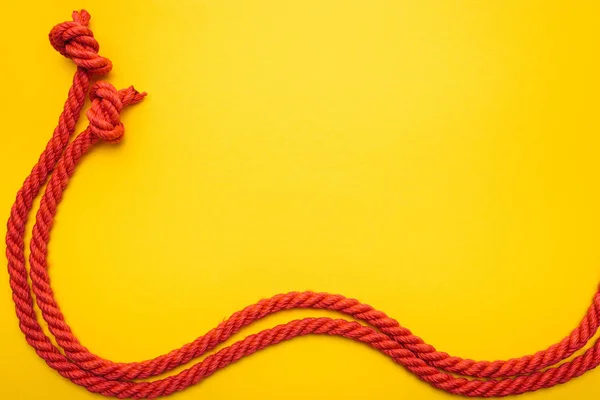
{"type": "Point", "coordinates": [436, 159]}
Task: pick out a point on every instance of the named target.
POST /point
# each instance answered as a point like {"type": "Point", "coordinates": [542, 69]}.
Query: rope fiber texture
{"type": "Point", "coordinates": [75, 362]}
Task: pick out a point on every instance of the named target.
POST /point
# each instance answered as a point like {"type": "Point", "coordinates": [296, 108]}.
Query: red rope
{"type": "Point", "coordinates": [72, 360]}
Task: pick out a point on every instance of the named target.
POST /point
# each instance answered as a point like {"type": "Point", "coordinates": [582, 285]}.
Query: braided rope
{"type": "Point", "coordinates": [72, 360]}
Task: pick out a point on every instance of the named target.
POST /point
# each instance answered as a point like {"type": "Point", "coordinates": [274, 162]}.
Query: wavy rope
{"type": "Point", "coordinates": [72, 360]}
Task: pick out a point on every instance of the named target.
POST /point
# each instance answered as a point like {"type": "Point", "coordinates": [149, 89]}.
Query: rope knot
{"type": "Point", "coordinates": [107, 104]}
{"type": "Point", "coordinates": [74, 40]}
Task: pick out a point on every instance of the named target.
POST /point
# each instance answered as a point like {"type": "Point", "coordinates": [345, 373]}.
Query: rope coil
{"type": "Point", "coordinates": [57, 164]}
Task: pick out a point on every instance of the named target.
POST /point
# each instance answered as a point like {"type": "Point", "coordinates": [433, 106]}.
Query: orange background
{"type": "Point", "coordinates": [436, 159]}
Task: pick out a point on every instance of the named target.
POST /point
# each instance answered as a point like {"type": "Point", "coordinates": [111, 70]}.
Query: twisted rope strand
{"type": "Point", "coordinates": [24, 199]}
{"type": "Point", "coordinates": [75, 40]}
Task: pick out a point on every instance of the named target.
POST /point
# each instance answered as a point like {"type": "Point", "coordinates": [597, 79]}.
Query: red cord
{"type": "Point", "coordinates": [72, 360]}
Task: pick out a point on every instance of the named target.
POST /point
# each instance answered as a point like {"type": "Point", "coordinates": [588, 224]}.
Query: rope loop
{"type": "Point", "coordinates": [107, 104]}
{"type": "Point", "coordinates": [74, 40]}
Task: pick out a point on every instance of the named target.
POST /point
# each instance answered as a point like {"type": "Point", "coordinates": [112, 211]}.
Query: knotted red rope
{"type": "Point", "coordinates": [72, 360]}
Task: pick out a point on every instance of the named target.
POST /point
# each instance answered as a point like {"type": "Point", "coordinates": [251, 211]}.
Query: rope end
{"type": "Point", "coordinates": [131, 96]}
{"type": "Point", "coordinates": [82, 17]}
